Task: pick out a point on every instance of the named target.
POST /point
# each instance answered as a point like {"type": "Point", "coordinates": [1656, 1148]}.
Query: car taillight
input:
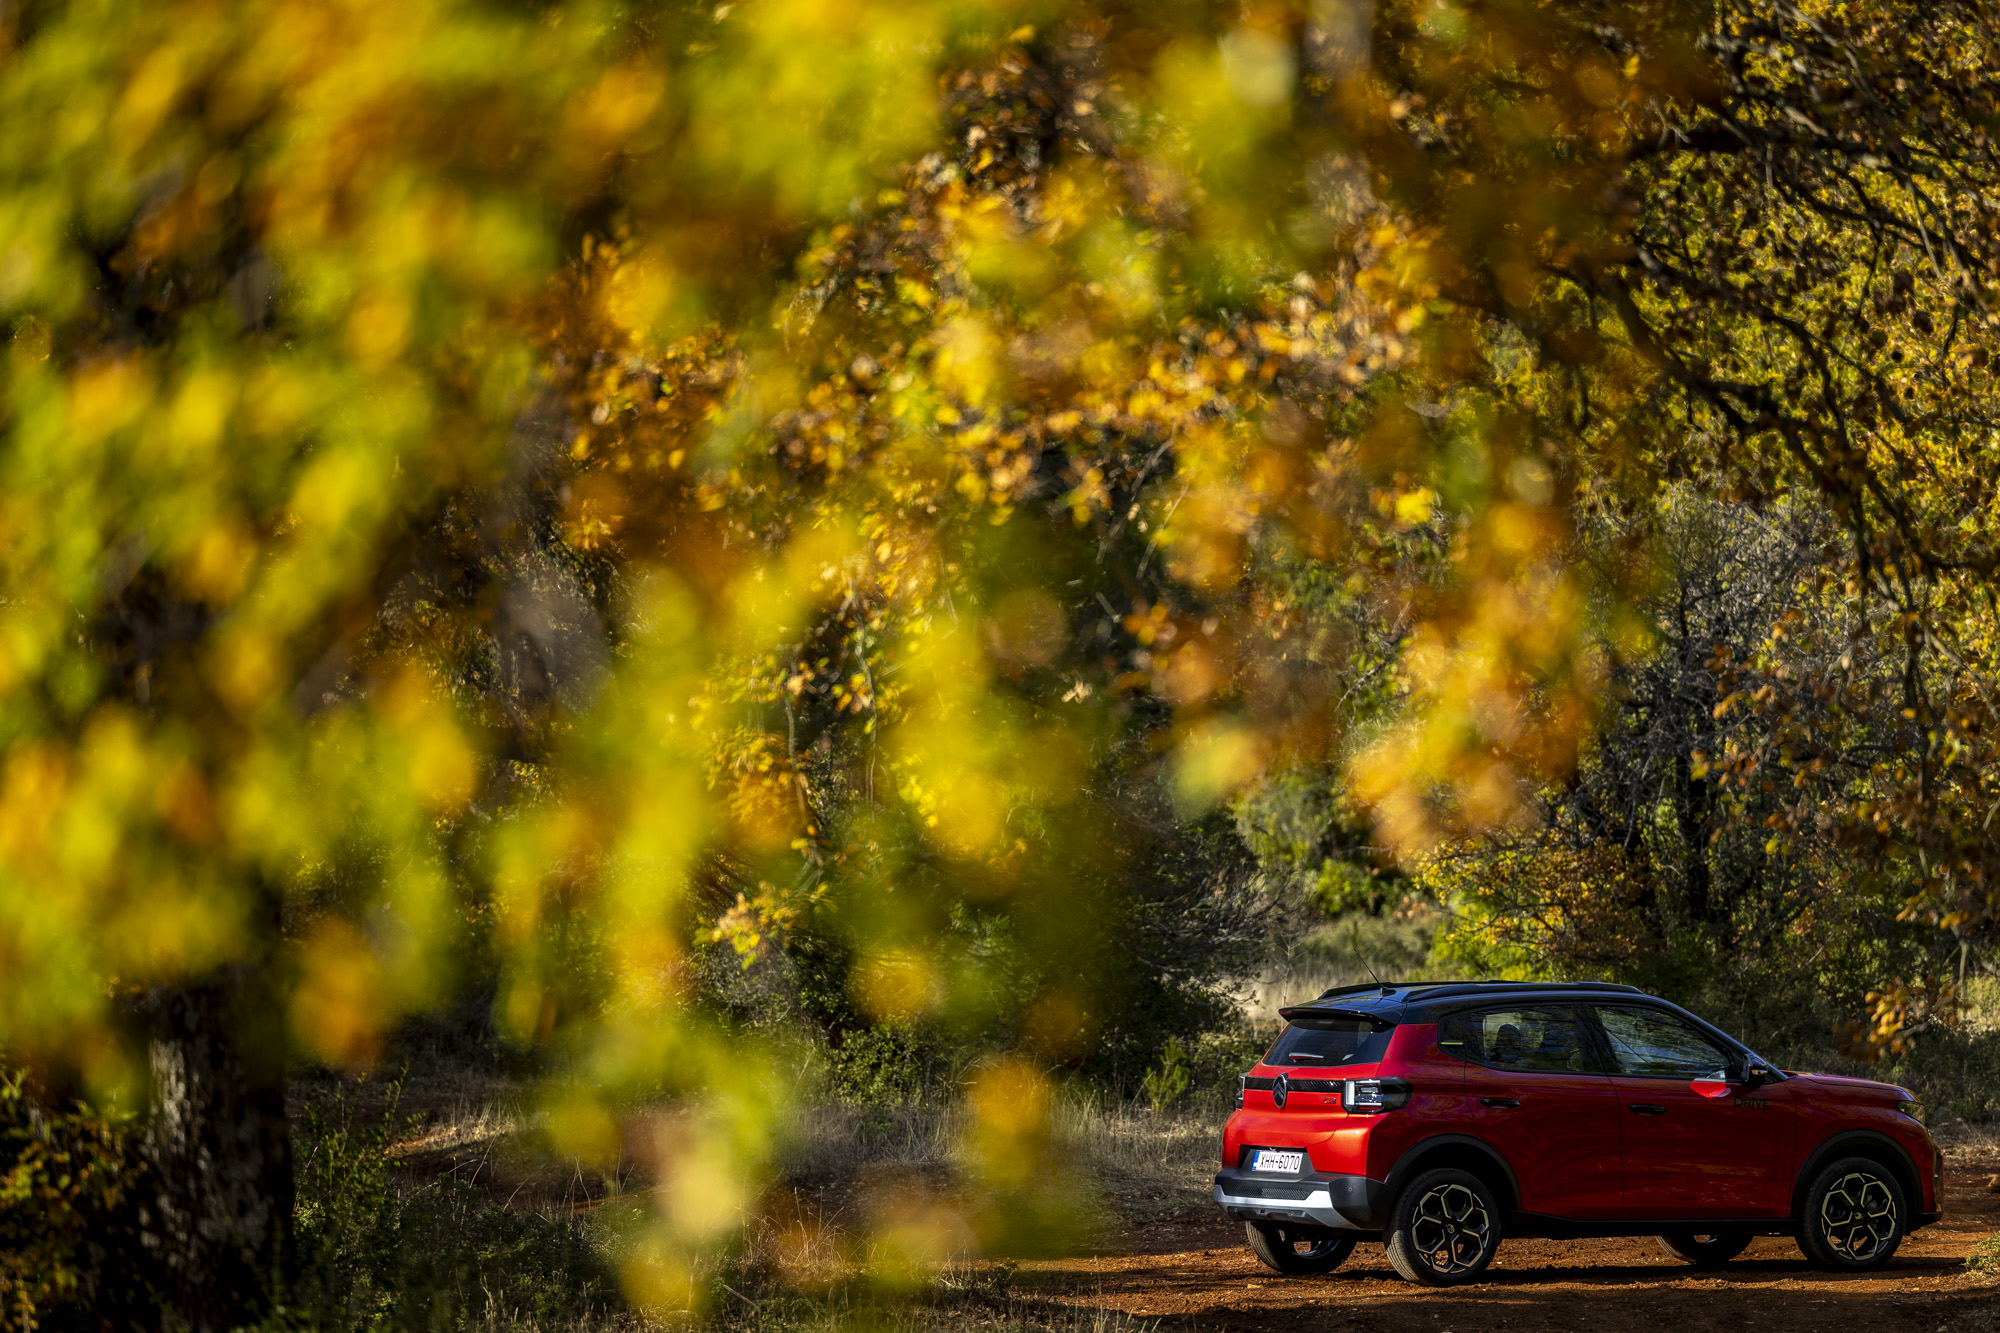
{"type": "Point", "coordinates": [1366, 1096]}
{"type": "Point", "coordinates": [1242, 1090]}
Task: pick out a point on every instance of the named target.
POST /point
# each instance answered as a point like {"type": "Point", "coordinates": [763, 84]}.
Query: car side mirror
{"type": "Point", "coordinates": [1739, 1079]}
{"type": "Point", "coordinates": [1719, 1084]}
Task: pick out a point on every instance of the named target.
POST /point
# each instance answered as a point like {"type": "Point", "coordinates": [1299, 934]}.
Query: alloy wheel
{"type": "Point", "coordinates": [1858, 1217]}
{"type": "Point", "coordinates": [1450, 1229]}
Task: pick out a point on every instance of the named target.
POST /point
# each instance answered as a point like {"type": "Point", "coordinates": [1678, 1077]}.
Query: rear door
{"type": "Point", "coordinates": [1686, 1155]}
{"type": "Point", "coordinates": [1534, 1090]}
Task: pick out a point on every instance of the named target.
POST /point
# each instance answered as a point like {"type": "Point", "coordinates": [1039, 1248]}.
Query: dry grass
{"type": "Point", "coordinates": [1149, 1163]}
{"type": "Point", "coordinates": [832, 1143]}
{"type": "Point", "coordinates": [874, 1216]}
{"type": "Point", "coordinates": [1279, 985]}
{"type": "Point", "coordinates": [1126, 1141]}
{"type": "Point", "coordinates": [1356, 949]}
{"type": "Point", "coordinates": [1152, 1163]}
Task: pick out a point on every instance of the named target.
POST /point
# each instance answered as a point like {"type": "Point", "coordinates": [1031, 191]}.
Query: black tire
{"type": "Point", "coordinates": [1296, 1250]}
{"type": "Point", "coordinates": [1705, 1251]}
{"type": "Point", "coordinates": [1855, 1216]}
{"type": "Point", "coordinates": [1443, 1228]}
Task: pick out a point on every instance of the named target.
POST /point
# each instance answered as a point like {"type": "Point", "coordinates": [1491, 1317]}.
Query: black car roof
{"type": "Point", "coordinates": [1427, 1001]}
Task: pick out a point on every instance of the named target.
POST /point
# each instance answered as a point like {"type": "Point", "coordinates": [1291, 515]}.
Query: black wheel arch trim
{"type": "Point", "coordinates": [1839, 1145]}
{"type": "Point", "coordinates": [1399, 1174]}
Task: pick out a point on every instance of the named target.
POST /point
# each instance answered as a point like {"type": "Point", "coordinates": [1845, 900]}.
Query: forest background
{"type": "Point", "coordinates": [718, 559]}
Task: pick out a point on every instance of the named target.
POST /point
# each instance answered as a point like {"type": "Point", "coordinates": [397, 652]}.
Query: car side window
{"type": "Point", "coordinates": [1533, 1041]}
{"type": "Point", "coordinates": [1649, 1043]}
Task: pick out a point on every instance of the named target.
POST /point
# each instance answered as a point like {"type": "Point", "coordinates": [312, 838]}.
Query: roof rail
{"type": "Point", "coordinates": [1475, 987]}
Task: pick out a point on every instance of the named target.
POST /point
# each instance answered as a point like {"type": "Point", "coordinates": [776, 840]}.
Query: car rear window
{"type": "Point", "coordinates": [1330, 1041]}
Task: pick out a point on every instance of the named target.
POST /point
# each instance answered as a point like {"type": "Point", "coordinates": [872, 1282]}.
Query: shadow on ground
{"type": "Point", "coordinates": [1190, 1271]}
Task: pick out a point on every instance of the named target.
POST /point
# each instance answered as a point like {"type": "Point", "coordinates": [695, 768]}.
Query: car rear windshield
{"type": "Point", "coordinates": [1330, 1041]}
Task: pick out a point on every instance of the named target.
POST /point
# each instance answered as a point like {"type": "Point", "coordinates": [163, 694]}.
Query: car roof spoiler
{"type": "Point", "coordinates": [1292, 1011]}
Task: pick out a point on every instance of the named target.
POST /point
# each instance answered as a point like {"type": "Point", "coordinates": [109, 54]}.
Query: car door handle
{"type": "Point", "coordinates": [1499, 1101]}
{"type": "Point", "coordinates": [1647, 1108]}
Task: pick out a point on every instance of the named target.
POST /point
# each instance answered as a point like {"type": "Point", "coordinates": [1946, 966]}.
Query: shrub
{"type": "Point", "coordinates": [1985, 1257]}
{"type": "Point", "coordinates": [1167, 1081]}
{"type": "Point", "coordinates": [69, 1180]}
{"type": "Point", "coordinates": [889, 1064]}
{"type": "Point", "coordinates": [381, 1253]}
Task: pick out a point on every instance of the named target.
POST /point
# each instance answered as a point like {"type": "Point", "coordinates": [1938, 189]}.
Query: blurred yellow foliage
{"type": "Point", "coordinates": [627, 481]}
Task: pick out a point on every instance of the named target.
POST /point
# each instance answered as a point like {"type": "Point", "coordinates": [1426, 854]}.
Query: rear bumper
{"type": "Point", "coordinates": [1345, 1203]}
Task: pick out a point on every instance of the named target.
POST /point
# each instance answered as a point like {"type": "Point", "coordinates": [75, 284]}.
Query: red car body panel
{"type": "Point", "coordinates": [1700, 1156]}
{"type": "Point", "coordinates": [1336, 1142]}
{"type": "Point", "coordinates": [1830, 1106]}
{"type": "Point", "coordinates": [1561, 1139]}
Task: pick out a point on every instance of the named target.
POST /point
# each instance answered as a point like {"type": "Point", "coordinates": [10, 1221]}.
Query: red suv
{"type": "Point", "coordinates": [1439, 1117]}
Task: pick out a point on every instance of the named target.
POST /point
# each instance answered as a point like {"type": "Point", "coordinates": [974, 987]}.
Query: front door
{"type": "Point", "coordinates": [1686, 1155]}
{"type": "Point", "coordinates": [1534, 1092]}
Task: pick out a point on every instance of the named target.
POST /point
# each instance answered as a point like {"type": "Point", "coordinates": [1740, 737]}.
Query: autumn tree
{"type": "Point", "coordinates": [1766, 271]}
{"type": "Point", "coordinates": [640, 480]}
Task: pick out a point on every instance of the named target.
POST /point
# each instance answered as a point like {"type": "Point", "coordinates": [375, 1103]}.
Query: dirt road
{"type": "Point", "coordinates": [1196, 1274]}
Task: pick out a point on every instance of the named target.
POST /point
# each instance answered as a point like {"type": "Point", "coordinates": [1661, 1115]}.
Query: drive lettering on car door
{"type": "Point", "coordinates": [1689, 1155]}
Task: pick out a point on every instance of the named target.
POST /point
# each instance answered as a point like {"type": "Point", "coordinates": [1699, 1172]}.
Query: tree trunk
{"type": "Point", "coordinates": [1693, 808]}
{"type": "Point", "coordinates": [220, 1227]}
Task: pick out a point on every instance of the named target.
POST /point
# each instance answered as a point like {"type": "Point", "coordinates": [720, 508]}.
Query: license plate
{"type": "Point", "coordinates": [1277, 1160]}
